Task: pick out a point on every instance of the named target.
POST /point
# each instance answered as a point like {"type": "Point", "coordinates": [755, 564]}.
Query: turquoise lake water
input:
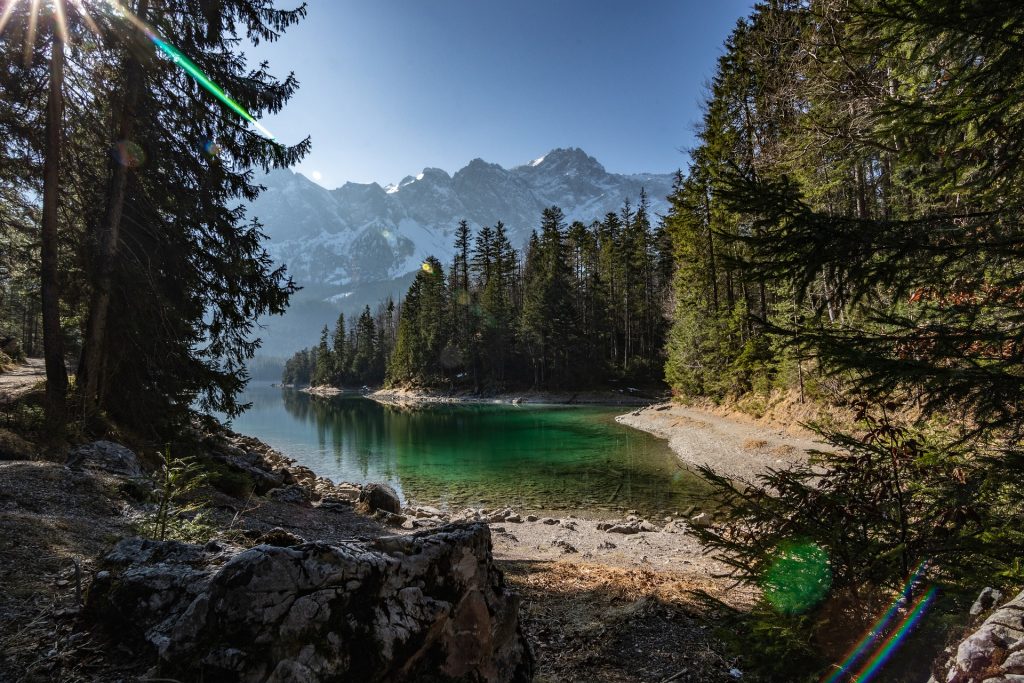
{"type": "Point", "coordinates": [529, 457]}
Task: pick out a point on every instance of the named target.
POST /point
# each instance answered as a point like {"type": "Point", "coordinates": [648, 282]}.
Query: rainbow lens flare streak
{"type": "Point", "coordinates": [898, 635]}
{"type": "Point", "coordinates": [877, 628]}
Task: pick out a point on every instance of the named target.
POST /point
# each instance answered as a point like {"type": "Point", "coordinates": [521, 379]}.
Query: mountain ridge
{"type": "Point", "coordinates": [362, 240]}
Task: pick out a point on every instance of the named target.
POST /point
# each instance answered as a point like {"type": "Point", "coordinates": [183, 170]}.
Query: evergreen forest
{"type": "Point", "coordinates": [582, 307]}
{"type": "Point", "coordinates": [849, 230]}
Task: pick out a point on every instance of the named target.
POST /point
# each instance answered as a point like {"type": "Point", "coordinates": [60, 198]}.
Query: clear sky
{"type": "Point", "coordinates": [389, 87]}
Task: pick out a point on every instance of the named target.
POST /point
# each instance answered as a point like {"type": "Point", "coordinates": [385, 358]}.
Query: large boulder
{"type": "Point", "coordinates": [426, 607]}
{"type": "Point", "coordinates": [251, 463]}
{"type": "Point", "coordinates": [994, 652]}
{"type": "Point", "coordinates": [106, 456]}
{"type": "Point", "coordinates": [380, 497]}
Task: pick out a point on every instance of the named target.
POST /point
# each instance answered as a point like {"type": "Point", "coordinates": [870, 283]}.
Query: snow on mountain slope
{"type": "Point", "coordinates": [362, 240]}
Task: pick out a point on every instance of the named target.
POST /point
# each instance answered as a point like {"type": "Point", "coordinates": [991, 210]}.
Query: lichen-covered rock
{"type": "Point", "coordinates": [426, 607]}
{"type": "Point", "coordinates": [107, 456]}
{"type": "Point", "coordinates": [380, 497]}
{"type": "Point", "coordinates": [993, 652]}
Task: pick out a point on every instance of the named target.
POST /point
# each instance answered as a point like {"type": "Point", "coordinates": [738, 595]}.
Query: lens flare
{"type": "Point", "coordinates": [211, 148]}
{"type": "Point", "coordinates": [176, 56]}
{"type": "Point", "coordinates": [62, 23]}
{"type": "Point", "coordinates": [798, 578]}
{"type": "Point", "coordinates": [898, 636]}
{"type": "Point", "coordinates": [189, 67]}
{"type": "Point", "coordinates": [879, 626]}
{"type": "Point", "coordinates": [129, 154]}
{"type": "Point", "coordinates": [86, 17]}
{"type": "Point", "coordinates": [30, 40]}
{"type": "Point", "coordinates": [6, 16]}
{"type": "Point", "coordinates": [427, 267]}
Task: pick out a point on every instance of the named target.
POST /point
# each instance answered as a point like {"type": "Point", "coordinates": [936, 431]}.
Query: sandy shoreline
{"type": "Point", "coordinates": [740, 451]}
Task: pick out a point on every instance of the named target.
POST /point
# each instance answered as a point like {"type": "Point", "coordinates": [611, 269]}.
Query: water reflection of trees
{"type": "Point", "coordinates": [469, 453]}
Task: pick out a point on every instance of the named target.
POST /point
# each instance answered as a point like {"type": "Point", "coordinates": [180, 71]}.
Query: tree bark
{"type": "Point", "coordinates": [53, 337]}
{"type": "Point", "coordinates": [94, 350]}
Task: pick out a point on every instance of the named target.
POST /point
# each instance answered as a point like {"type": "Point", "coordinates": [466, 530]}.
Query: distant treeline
{"type": "Point", "coordinates": [350, 356]}
{"type": "Point", "coordinates": [581, 307]}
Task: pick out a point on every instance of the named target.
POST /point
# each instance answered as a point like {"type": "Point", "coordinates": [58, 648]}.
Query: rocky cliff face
{"type": "Point", "coordinates": [427, 607]}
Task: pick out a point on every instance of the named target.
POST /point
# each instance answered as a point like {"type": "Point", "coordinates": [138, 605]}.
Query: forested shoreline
{"type": "Point", "coordinates": [850, 227]}
{"type": "Point", "coordinates": [583, 307]}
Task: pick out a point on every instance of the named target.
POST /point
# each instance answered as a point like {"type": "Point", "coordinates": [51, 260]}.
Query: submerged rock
{"type": "Point", "coordinates": [430, 606]}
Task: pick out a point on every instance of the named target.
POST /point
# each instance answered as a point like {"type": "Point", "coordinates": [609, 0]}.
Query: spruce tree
{"type": "Point", "coordinates": [364, 351]}
{"type": "Point", "coordinates": [190, 276]}
{"type": "Point", "coordinates": [340, 353]}
{"type": "Point", "coordinates": [324, 368]}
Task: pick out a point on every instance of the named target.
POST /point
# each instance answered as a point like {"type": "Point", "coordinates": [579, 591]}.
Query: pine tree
{"type": "Point", "coordinates": [325, 362]}
{"type": "Point", "coordinates": [547, 304]}
{"type": "Point", "coordinates": [172, 340]}
{"type": "Point", "coordinates": [422, 349]}
{"type": "Point", "coordinates": [364, 351]}
{"type": "Point", "coordinates": [340, 353]}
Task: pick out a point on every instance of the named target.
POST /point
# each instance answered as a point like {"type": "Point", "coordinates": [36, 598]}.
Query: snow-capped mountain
{"type": "Point", "coordinates": [351, 246]}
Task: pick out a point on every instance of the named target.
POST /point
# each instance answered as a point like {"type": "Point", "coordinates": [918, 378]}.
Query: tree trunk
{"type": "Point", "coordinates": [53, 337]}
{"type": "Point", "coordinates": [94, 351]}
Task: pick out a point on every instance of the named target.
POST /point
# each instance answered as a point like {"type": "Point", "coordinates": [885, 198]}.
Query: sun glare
{"type": "Point", "coordinates": [117, 9]}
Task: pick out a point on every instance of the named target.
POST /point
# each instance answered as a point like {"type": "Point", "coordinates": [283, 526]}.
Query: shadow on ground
{"type": "Point", "coordinates": [589, 622]}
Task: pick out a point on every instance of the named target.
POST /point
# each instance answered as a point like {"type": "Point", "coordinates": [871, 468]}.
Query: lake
{"type": "Point", "coordinates": [538, 458]}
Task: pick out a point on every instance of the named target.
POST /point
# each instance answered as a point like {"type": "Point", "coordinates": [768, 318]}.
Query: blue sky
{"type": "Point", "coordinates": [389, 87]}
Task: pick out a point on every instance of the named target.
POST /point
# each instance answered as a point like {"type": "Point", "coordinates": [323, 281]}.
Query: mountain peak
{"type": "Point", "coordinates": [479, 163]}
{"type": "Point", "coordinates": [434, 174]}
{"type": "Point", "coordinates": [571, 161]}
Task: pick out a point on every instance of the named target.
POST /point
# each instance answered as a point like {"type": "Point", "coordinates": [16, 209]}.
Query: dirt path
{"type": "Point", "coordinates": [20, 379]}
{"type": "Point", "coordinates": [735, 449]}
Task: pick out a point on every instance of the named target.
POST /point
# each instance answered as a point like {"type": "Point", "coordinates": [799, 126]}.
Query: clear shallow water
{"type": "Point", "coordinates": [530, 457]}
